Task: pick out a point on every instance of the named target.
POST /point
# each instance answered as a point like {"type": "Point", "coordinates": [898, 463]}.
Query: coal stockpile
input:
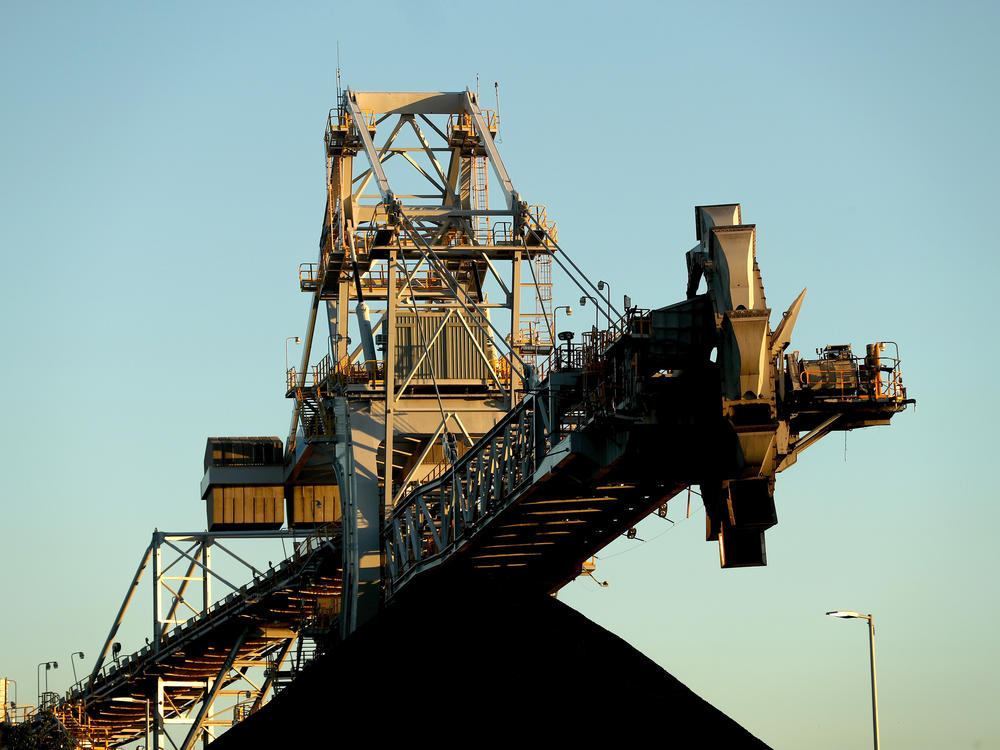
{"type": "Point", "coordinates": [473, 670]}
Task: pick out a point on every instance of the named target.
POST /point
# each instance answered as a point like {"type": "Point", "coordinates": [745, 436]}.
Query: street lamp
{"type": "Point", "coordinates": [597, 307]}
{"type": "Point", "coordinates": [871, 650]}
{"type": "Point", "coordinates": [297, 340]}
{"type": "Point", "coordinates": [600, 288]}
{"type": "Point", "coordinates": [79, 655]}
{"type": "Point", "coordinates": [48, 665]}
{"type": "Point", "coordinates": [555, 311]}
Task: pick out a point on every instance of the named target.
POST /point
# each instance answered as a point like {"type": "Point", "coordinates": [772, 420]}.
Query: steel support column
{"type": "Point", "coordinates": [212, 691]}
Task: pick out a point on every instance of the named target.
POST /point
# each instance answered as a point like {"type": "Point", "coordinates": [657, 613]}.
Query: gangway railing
{"type": "Point", "coordinates": [839, 376]}
{"type": "Point", "coordinates": [430, 523]}
{"type": "Point", "coordinates": [109, 675]}
{"type": "Point", "coordinates": [20, 713]}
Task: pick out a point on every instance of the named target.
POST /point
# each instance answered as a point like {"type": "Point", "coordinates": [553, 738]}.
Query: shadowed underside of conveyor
{"type": "Point", "coordinates": [252, 627]}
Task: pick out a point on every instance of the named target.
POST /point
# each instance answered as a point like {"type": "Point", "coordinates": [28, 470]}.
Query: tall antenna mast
{"type": "Point", "coordinates": [496, 89]}
{"type": "Point", "coordinates": [338, 71]}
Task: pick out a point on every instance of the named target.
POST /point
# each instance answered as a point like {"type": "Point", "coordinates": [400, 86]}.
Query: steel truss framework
{"type": "Point", "coordinates": [430, 261]}
{"type": "Point", "coordinates": [575, 429]}
{"type": "Point", "coordinates": [210, 662]}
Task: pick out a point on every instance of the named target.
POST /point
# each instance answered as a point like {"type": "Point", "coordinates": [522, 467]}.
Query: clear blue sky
{"type": "Point", "coordinates": [162, 177]}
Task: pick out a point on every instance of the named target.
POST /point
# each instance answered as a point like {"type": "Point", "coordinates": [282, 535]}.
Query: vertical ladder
{"type": "Point", "coordinates": [543, 297]}
{"type": "Point", "coordinates": [334, 210]}
{"type": "Point", "coordinates": [480, 199]}
{"type": "Point", "coordinates": [537, 336]}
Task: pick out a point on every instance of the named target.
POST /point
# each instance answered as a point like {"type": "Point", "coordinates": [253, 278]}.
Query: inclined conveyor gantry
{"type": "Point", "coordinates": [624, 421]}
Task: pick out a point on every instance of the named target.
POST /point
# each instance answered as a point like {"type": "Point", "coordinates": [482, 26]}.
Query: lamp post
{"type": "Point", "coordinates": [79, 655]}
{"type": "Point", "coordinates": [597, 307]}
{"type": "Point", "coordinates": [48, 665]}
{"type": "Point", "coordinates": [600, 287]}
{"type": "Point", "coordinates": [555, 312]}
{"type": "Point", "coordinates": [557, 335]}
{"type": "Point", "coordinates": [297, 340]}
{"type": "Point", "coordinates": [846, 615]}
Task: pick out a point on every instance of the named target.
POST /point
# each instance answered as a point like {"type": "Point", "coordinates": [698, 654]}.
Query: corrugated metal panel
{"type": "Point", "coordinates": [311, 505]}
{"type": "Point", "coordinates": [232, 508]}
{"type": "Point", "coordinates": [453, 356]}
